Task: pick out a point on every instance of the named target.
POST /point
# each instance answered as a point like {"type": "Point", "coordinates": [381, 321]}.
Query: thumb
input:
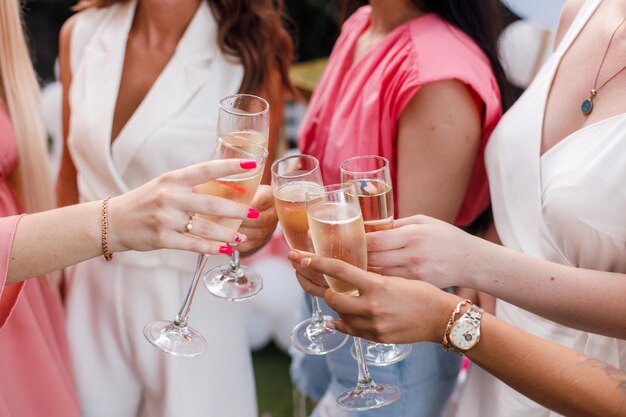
{"type": "Point", "coordinates": [339, 270]}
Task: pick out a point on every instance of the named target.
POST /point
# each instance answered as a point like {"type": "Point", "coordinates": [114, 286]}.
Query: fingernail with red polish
{"type": "Point", "coordinates": [248, 164]}
{"type": "Point", "coordinates": [253, 213]}
{"type": "Point", "coordinates": [239, 238]}
{"type": "Point", "coordinates": [226, 250]}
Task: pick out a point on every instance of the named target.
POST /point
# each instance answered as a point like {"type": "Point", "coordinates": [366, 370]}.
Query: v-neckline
{"type": "Point", "coordinates": [559, 55]}
{"type": "Point", "coordinates": [353, 62]}
{"type": "Point", "coordinates": [129, 24]}
{"type": "Point", "coordinates": [118, 83]}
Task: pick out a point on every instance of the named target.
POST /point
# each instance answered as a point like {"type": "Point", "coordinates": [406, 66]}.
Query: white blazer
{"type": "Point", "coordinates": [118, 372]}
{"type": "Point", "coordinates": [174, 126]}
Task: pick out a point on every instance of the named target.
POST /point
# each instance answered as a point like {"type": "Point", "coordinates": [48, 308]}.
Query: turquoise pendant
{"type": "Point", "coordinates": [587, 107]}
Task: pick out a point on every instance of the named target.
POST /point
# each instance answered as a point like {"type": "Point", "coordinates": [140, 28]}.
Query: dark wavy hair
{"type": "Point", "coordinates": [252, 31]}
{"type": "Point", "coordinates": [481, 20]}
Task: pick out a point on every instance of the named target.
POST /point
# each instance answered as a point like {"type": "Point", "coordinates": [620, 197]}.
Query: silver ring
{"type": "Point", "coordinates": [189, 225]}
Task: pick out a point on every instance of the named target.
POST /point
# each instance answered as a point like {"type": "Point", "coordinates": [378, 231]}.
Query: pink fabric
{"type": "Point", "coordinates": [355, 108]}
{"type": "Point", "coordinates": [35, 374]}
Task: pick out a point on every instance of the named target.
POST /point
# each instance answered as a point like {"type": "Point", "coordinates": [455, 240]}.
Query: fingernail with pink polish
{"type": "Point", "coordinates": [253, 213]}
{"type": "Point", "coordinates": [331, 326]}
{"type": "Point", "coordinates": [226, 250]}
{"type": "Point", "coordinates": [293, 255]}
{"type": "Point", "coordinates": [248, 164]}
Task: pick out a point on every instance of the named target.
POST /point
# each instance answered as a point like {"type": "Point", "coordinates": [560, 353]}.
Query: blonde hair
{"type": "Point", "coordinates": [20, 91]}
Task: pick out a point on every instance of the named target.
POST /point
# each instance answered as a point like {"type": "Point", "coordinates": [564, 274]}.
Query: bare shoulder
{"type": "Point", "coordinates": [569, 12]}
{"type": "Point", "coordinates": [66, 30]}
{"type": "Point", "coordinates": [65, 39]}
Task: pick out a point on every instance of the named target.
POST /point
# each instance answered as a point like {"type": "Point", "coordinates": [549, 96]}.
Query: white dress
{"type": "Point", "coordinates": [567, 206]}
{"type": "Point", "coordinates": [119, 374]}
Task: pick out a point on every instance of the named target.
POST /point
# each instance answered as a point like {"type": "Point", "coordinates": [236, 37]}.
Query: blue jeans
{"type": "Point", "coordinates": [426, 378]}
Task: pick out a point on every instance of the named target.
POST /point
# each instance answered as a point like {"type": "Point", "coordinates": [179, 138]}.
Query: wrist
{"type": "Point", "coordinates": [114, 239]}
{"type": "Point", "coordinates": [446, 303]}
{"type": "Point", "coordinates": [462, 332]}
{"type": "Point", "coordinates": [474, 271]}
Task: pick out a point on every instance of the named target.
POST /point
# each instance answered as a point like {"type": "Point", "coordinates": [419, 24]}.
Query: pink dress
{"type": "Point", "coordinates": [35, 374]}
{"type": "Point", "coordinates": [356, 107]}
{"type": "Point", "coordinates": [355, 111]}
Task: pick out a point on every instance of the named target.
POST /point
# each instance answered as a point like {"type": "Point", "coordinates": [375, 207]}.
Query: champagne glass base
{"type": "Point", "coordinates": [381, 354]}
{"type": "Point", "coordinates": [175, 340]}
{"type": "Point", "coordinates": [363, 399]}
{"type": "Point", "coordinates": [315, 338]}
{"type": "Point", "coordinates": [224, 282]}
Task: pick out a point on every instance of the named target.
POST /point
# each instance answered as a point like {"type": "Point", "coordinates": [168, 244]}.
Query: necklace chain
{"type": "Point", "coordinates": [587, 106]}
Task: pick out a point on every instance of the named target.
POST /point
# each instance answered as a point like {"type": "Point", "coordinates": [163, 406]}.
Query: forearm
{"type": "Point", "coordinates": [559, 378]}
{"type": "Point", "coordinates": [54, 239]}
{"type": "Point", "coordinates": [575, 297]}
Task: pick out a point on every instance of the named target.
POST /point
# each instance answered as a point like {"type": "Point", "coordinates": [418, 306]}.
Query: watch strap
{"type": "Point", "coordinates": [474, 314]}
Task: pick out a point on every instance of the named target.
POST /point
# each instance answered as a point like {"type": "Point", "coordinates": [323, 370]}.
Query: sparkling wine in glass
{"type": "Point", "coordinates": [177, 337]}
{"type": "Point", "coordinates": [292, 177]}
{"type": "Point", "coordinates": [338, 232]}
{"type": "Point", "coordinates": [244, 116]}
{"type": "Point", "coordinates": [372, 179]}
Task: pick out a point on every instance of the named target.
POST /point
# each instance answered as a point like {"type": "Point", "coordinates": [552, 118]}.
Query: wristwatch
{"type": "Point", "coordinates": [465, 332]}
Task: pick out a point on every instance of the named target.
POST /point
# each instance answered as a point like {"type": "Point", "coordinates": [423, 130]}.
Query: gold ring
{"type": "Point", "coordinates": [189, 225]}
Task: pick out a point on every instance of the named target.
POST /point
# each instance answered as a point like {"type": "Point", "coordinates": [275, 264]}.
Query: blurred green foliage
{"type": "Point", "coordinates": [316, 26]}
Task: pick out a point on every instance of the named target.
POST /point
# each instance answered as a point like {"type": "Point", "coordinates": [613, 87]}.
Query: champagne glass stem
{"type": "Point", "coordinates": [318, 315]}
{"type": "Point", "coordinates": [234, 258]}
{"type": "Point", "coordinates": [235, 265]}
{"type": "Point", "coordinates": [365, 380]}
{"type": "Point", "coordinates": [183, 313]}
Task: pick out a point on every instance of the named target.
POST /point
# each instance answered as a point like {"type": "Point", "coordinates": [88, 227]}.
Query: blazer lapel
{"type": "Point", "coordinates": [183, 76]}
{"type": "Point", "coordinates": [102, 67]}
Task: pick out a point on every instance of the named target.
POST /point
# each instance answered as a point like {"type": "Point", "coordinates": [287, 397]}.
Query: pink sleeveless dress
{"type": "Point", "coordinates": [35, 374]}
{"type": "Point", "coordinates": [356, 107]}
{"type": "Point", "coordinates": [355, 111]}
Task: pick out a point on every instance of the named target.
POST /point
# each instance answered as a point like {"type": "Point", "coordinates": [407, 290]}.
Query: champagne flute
{"type": "Point", "coordinates": [337, 231]}
{"type": "Point", "coordinates": [245, 116]}
{"type": "Point", "coordinates": [372, 178]}
{"type": "Point", "coordinates": [292, 177]}
{"type": "Point", "coordinates": [177, 337]}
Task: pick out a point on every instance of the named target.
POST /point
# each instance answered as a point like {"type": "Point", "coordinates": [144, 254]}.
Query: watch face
{"type": "Point", "coordinates": [464, 335]}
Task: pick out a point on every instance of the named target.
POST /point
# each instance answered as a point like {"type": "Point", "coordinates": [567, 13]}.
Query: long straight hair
{"type": "Point", "coordinates": [20, 91]}
{"type": "Point", "coordinates": [252, 31]}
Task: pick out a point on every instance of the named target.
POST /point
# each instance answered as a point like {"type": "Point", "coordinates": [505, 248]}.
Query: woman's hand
{"type": "Point", "coordinates": [312, 282]}
{"type": "Point", "coordinates": [426, 249]}
{"type": "Point", "coordinates": [156, 215]}
{"type": "Point", "coordinates": [259, 230]}
{"type": "Point", "coordinates": [388, 309]}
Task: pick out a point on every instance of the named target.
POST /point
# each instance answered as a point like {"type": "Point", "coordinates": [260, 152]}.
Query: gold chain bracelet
{"type": "Point", "coordinates": [105, 230]}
